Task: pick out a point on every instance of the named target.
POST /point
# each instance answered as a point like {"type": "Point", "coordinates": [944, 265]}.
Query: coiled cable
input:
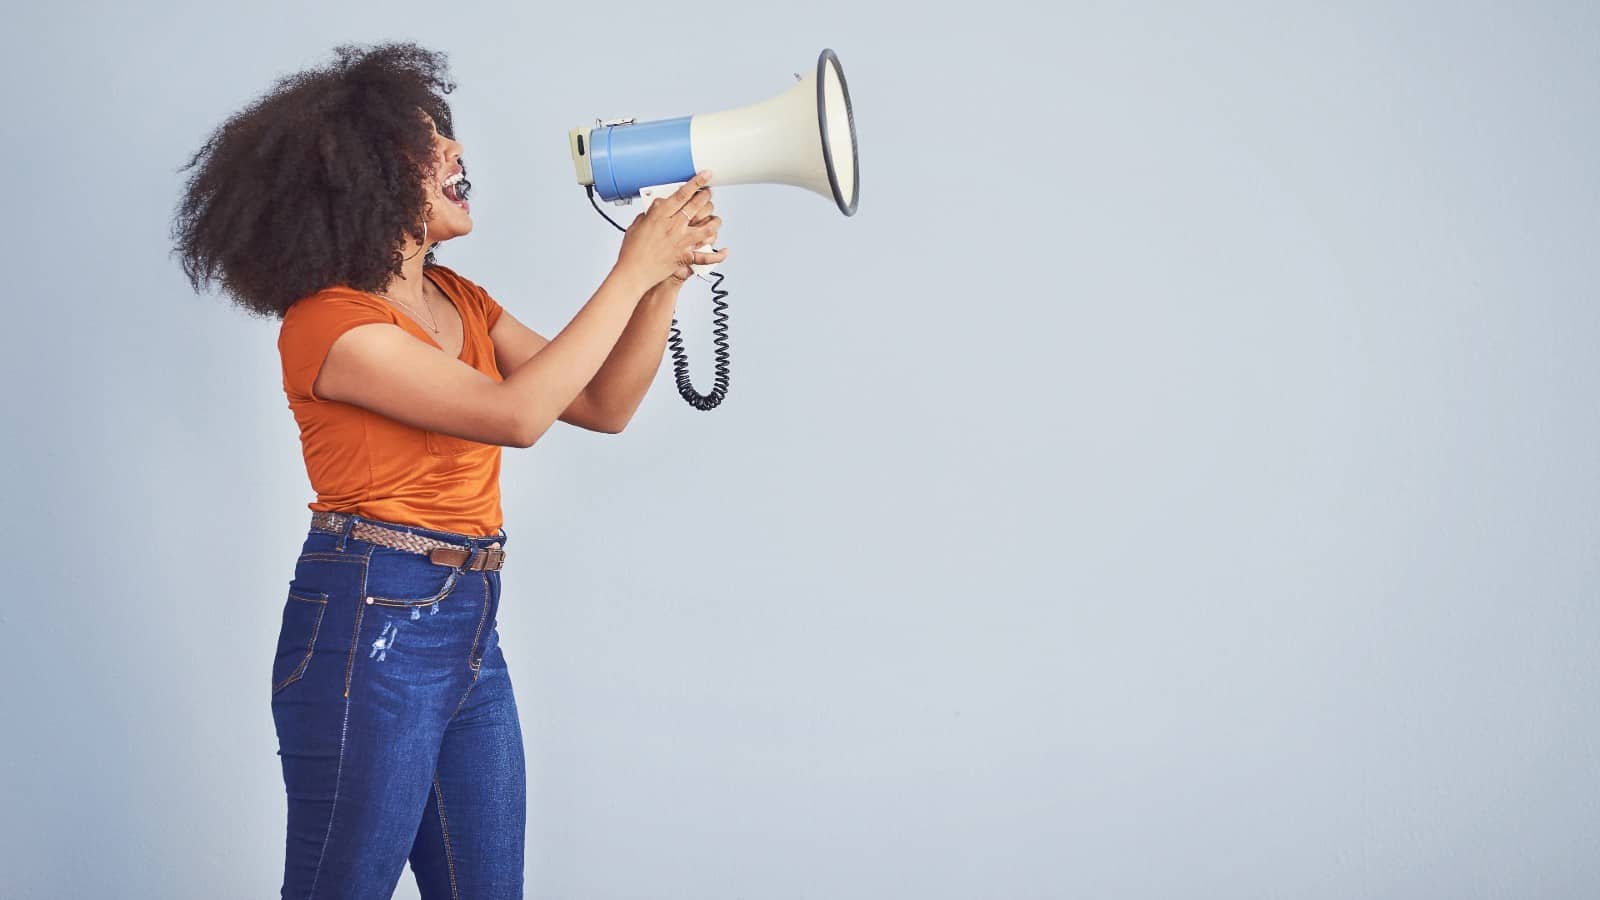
{"type": "Point", "coordinates": [719, 331]}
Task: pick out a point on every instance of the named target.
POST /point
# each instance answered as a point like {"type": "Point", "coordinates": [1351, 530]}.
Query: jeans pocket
{"type": "Point", "coordinates": [297, 638]}
{"type": "Point", "coordinates": [402, 578]}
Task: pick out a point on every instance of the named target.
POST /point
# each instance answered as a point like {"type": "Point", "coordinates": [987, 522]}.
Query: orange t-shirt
{"type": "Point", "coordinates": [368, 464]}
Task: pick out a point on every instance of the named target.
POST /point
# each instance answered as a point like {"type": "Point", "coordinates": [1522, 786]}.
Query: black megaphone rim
{"type": "Point", "coordinates": [846, 207]}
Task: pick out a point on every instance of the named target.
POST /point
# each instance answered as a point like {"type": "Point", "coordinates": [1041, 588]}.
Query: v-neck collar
{"type": "Point", "coordinates": [462, 356]}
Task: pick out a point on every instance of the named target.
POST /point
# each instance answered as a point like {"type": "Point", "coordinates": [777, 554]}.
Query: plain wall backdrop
{"type": "Point", "coordinates": [1180, 479]}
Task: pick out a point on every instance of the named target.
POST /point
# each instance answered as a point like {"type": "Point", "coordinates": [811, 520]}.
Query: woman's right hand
{"type": "Point", "coordinates": [660, 240]}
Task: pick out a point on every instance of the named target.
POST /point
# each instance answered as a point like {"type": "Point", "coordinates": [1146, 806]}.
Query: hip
{"type": "Point", "coordinates": [356, 609]}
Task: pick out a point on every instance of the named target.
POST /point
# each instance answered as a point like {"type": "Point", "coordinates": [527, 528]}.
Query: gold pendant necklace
{"type": "Point", "coordinates": [433, 323]}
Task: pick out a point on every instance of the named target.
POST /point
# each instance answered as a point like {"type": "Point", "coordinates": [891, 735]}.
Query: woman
{"type": "Point", "coordinates": [321, 204]}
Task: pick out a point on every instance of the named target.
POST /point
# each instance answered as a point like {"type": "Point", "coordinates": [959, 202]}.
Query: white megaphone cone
{"type": "Point", "coordinates": [805, 137]}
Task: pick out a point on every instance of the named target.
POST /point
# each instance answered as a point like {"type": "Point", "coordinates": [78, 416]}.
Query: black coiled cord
{"type": "Point", "coordinates": [680, 360]}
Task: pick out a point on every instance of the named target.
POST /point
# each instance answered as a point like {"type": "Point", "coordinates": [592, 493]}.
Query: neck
{"type": "Point", "coordinates": [408, 285]}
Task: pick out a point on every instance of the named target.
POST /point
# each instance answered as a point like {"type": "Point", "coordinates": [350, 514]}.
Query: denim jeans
{"type": "Point", "coordinates": [396, 724]}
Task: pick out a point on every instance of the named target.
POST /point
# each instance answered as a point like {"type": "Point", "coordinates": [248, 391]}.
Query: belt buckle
{"type": "Point", "coordinates": [481, 558]}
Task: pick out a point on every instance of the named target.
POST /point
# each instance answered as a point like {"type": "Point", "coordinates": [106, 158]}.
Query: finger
{"type": "Point", "coordinates": [707, 257]}
{"type": "Point", "coordinates": [686, 192]}
{"type": "Point", "coordinates": [705, 214]}
{"type": "Point", "coordinates": [695, 208]}
{"type": "Point", "coordinates": [689, 213]}
{"type": "Point", "coordinates": [702, 233]}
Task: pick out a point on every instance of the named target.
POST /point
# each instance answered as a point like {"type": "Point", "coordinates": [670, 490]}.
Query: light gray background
{"type": "Point", "coordinates": [1178, 480]}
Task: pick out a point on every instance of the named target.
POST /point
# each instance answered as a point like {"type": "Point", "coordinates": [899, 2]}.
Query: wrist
{"type": "Point", "coordinates": [666, 288]}
{"type": "Point", "coordinates": [629, 280]}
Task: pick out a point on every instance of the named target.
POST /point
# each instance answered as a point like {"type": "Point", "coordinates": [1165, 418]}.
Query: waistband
{"type": "Point", "coordinates": [447, 547]}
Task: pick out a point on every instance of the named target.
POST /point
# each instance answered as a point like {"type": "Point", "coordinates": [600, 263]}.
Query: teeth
{"type": "Point", "coordinates": [452, 179]}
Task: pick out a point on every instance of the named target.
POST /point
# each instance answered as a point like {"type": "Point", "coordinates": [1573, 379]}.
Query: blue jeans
{"type": "Point", "coordinates": [397, 726]}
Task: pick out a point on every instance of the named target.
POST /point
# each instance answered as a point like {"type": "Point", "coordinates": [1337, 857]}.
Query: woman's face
{"type": "Point", "coordinates": [451, 214]}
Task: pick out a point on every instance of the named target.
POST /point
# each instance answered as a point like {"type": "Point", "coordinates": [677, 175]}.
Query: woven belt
{"type": "Point", "coordinates": [444, 553]}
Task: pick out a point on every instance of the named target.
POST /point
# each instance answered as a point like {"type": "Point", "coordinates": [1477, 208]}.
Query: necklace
{"type": "Point", "coordinates": [432, 323]}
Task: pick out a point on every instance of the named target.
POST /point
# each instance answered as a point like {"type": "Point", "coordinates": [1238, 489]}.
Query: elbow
{"type": "Point", "coordinates": [603, 421]}
{"type": "Point", "coordinates": [524, 434]}
{"type": "Point", "coordinates": [614, 424]}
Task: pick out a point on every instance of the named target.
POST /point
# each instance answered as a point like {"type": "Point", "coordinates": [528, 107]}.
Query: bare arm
{"type": "Point", "coordinates": [620, 385]}
{"type": "Point", "coordinates": [611, 398]}
{"type": "Point", "coordinates": [382, 368]}
{"type": "Point", "coordinates": [516, 343]}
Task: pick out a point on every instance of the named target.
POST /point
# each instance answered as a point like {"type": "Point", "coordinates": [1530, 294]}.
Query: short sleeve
{"type": "Point", "coordinates": [310, 327]}
{"type": "Point", "coordinates": [491, 309]}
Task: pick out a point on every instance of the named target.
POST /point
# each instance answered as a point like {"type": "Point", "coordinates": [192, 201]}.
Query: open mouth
{"type": "Point", "coordinates": [455, 189]}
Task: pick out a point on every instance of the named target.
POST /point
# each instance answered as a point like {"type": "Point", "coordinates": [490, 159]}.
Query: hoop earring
{"type": "Point", "coordinates": [424, 242]}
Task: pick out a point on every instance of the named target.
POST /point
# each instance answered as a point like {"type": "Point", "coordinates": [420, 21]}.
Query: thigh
{"type": "Point", "coordinates": [361, 694]}
{"type": "Point", "coordinates": [472, 836]}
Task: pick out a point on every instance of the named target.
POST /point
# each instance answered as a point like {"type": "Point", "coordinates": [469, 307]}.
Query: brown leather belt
{"type": "Point", "coordinates": [476, 559]}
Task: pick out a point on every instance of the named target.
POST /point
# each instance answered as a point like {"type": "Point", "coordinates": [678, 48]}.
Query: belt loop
{"type": "Point", "coordinates": [344, 532]}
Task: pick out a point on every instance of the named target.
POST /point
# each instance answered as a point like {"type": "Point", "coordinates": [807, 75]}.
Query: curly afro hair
{"type": "Point", "coordinates": [317, 182]}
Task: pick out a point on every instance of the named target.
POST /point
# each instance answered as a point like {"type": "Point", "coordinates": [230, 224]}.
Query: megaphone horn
{"type": "Point", "coordinates": [805, 137]}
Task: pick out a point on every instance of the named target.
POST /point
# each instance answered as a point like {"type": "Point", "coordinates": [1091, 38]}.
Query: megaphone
{"type": "Point", "coordinates": [805, 137]}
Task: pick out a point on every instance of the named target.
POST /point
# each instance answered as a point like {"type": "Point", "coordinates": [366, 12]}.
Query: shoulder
{"type": "Point", "coordinates": [312, 323]}
{"type": "Point", "coordinates": [338, 298]}
{"type": "Point", "coordinates": [333, 309]}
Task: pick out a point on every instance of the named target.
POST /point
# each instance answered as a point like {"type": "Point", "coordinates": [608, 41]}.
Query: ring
{"type": "Point", "coordinates": [685, 215]}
